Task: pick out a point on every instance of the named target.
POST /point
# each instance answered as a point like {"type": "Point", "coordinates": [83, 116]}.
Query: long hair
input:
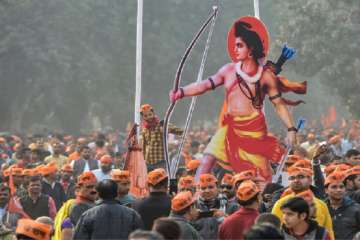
{"type": "Point", "coordinates": [251, 38]}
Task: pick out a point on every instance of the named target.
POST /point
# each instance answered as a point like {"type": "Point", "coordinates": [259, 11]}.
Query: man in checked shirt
{"type": "Point", "coordinates": [152, 137]}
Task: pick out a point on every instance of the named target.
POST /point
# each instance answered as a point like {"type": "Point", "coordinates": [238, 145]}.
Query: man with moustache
{"type": "Point", "coordinates": [85, 197]}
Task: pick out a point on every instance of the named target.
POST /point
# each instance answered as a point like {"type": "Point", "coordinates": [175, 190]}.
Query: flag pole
{"type": "Point", "coordinates": [139, 23]}
{"type": "Point", "coordinates": [256, 9]}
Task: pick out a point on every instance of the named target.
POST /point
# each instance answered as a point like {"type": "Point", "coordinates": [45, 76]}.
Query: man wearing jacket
{"type": "Point", "coordinates": [344, 211]}
{"type": "Point", "coordinates": [183, 211]}
{"type": "Point", "coordinates": [108, 219]}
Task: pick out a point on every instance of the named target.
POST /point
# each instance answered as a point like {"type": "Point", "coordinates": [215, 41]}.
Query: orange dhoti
{"type": "Point", "coordinates": [243, 143]}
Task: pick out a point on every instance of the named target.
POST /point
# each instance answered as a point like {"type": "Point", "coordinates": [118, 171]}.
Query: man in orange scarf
{"type": "Point", "coordinates": [242, 143]}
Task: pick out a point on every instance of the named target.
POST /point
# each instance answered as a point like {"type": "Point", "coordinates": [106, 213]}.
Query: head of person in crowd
{"type": "Point", "coordinates": [4, 195]}
{"type": "Point", "coordinates": [17, 174]}
{"type": "Point", "coordinates": [145, 235]}
{"type": "Point", "coordinates": [299, 179]}
{"type": "Point", "coordinates": [303, 163]}
{"type": "Point", "coordinates": [352, 179]}
{"type": "Point", "coordinates": [35, 155]}
{"type": "Point", "coordinates": [192, 166]}
{"type": "Point", "coordinates": [67, 230]}
{"type": "Point", "coordinates": [291, 160]}
{"type": "Point", "coordinates": [268, 192]}
{"type": "Point", "coordinates": [57, 148]}
{"type": "Point", "coordinates": [311, 138]}
{"type": "Point", "coordinates": [352, 157]}
{"type": "Point", "coordinates": [122, 178]}
{"type": "Point", "coordinates": [194, 147]}
{"type": "Point", "coordinates": [295, 212]}
{"type": "Point", "coordinates": [85, 152]}
{"type": "Point", "coordinates": [248, 195]}
{"type": "Point", "coordinates": [86, 183]}
{"type": "Point", "coordinates": [335, 187]}
{"type": "Point", "coordinates": [168, 228]}
{"type": "Point", "coordinates": [207, 187]}
{"type": "Point", "coordinates": [48, 221]}
{"type": "Point", "coordinates": [183, 204]}
{"type": "Point", "coordinates": [263, 231]}
{"type": "Point", "coordinates": [106, 162]}
{"type": "Point", "coordinates": [24, 154]}
{"type": "Point", "coordinates": [28, 229]}
{"type": "Point", "coordinates": [27, 174]}
{"type": "Point", "coordinates": [186, 183]}
{"type": "Point", "coordinates": [301, 152]}
{"type": "Point", "coordinates": [34, 188]}
{"type": "Point", "coordinates": [226, 186]}
{"type": "Point", "coordinates": [243, 176]}
{"type": "Point", "coordinates": [119, 159]}
{"type": "Point", "coordinates": [66, 172]}
{"type": "Point", "coordinates": [107, 189]}
{"type": "Point", "coordinates": [181, 172]}
{"type": "Point", "coordinates": [157, 180]}
{"type": "Point", "coordinates": [308, 196]}
{"type": "Point", "coordinates": [147, 113]}
{"type": "Point", "coordinates": [268, 218]}
{"type": "Point", "coordinates": [49, 172]}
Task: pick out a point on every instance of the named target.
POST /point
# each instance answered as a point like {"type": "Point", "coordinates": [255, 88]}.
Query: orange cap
{"type": "Point", "coordinates": [335, 177]}
{"type": "Point", "coordinates": [245, 175]}
{"type": "Point", "coordinates": [67, 168]}
{"type": "Point", "coordinates": [30, 172]}
{"type": "Point", "coordinates": [227, 179]}
{"type": "Point", "coordinates": [186, 182]}
{"type": "Point", "coordinates": [353, 171]}
{"type": "Point", "coordinates": [297, 170]}
{"type": "Point", "coordinates": [192, 165]}
{"type": "Point", "coordinates": [6, 172]}
{"type": "Point", "coordinates": [86, 178]}
{"type": "Point", "coordinates": [33, 229]}
{"type": "Point", "coordinates": [329, 169]}
{"type": "Point", "coordinates": [181, 201]}
{"type": "Point", "coordinates": [15, 171]}
{"type": "Point", "coordinates": [156, 176]}
{"type": "Point", "coordinates": [292, 159]}
{"type": "Point", "coordinates": [145, 108]}
{"type": "Point", "coordinates": [48, 169]}
{"type": "Point", "coordinates": [247, 190]}
{"type": "Point", "coordinates": [106, 159]}
{"type": "Point", "coordinates": [307, 195]}
{"type": "Point", "coordinates": [122, 176]}
{"type": "Point", "coordinates": [303, 163]}
{"type": "Point", "coordinates": [207, 179]}
{"type": "Point", "coordinates": [342, 168]}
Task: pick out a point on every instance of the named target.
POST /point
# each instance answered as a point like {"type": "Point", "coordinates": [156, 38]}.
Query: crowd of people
{"type": "Point", "coordinates": [64, 187]}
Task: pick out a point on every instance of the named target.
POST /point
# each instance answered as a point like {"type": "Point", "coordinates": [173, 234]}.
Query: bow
{"type": "Point", "coordinates": [177, 83]}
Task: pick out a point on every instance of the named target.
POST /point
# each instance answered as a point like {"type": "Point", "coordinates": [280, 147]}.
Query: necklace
{"type": "Point", "coordinates": [245, 76]}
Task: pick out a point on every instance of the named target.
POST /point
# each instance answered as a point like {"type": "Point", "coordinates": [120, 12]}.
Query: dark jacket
{"type": "Point", "coordinates": [78, 209]}
{"type": "Point", "coordinates": [208, 226]}
{"type": "Point", "coordinates": [187, 230]}
{"type": "Point", "coordinates": [79, 166]}
{"type": "Point", "coordinates": [314, 232]}
{"type": "Point", "coordinates": [346, 219]}
{"type": "Point", "coordinates": [57, 193]}
{"type": "Point", "coordinates": [36, 209]}
{"type": "Point", "coordinates": [107, 220]}
{"type": "Point", "coordinates": [157, 204]}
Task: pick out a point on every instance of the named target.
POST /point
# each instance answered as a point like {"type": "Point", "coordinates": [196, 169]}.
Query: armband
{"type": "Point", "coordinates": [275, 97]}
{"type": "Point", "coordinates": [182, 93]}
{"type": "Point", "coordinates": [292, 129]}
{"type": "Point", "coordinates": [213, 86]}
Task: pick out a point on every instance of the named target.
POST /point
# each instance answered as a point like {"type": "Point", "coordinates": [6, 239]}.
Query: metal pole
{"type": "Point", "coordinates": [256, 9]}
{"type": "Point", "coordinates": [139, 24]}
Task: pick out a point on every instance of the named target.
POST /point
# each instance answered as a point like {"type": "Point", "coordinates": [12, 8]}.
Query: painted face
{"type": "Point", "coordinates": [209, 192]}
{"type": "Point", "coordinates": [148, 115]}
{"type": "Point", "coordinates": [241, 49]}
{"type": "Point", "coordinates": [291, 219]}
{"type": "Point", "coordinates": [336, 191]}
